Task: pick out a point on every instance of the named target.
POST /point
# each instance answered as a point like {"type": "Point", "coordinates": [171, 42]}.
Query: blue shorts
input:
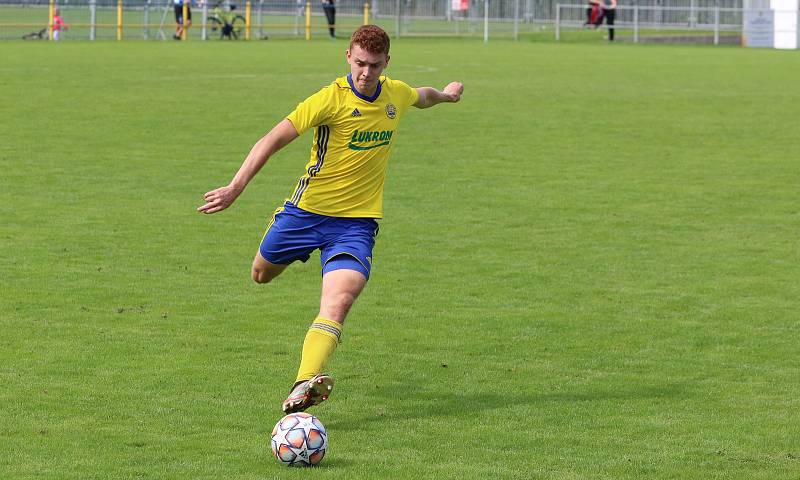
{"type": "Point", "coordinates": [294, 233]}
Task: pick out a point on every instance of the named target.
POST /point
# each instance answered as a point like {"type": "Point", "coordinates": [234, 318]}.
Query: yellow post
{"type": "Point", "coordinates": [308, 20]}
{"type": "Point", "coordinates": [247, 9]}
{"type": "Point", "coordinates": [366, 13]}
{"type": "Point", "coordinates": [185, 17]}
{"type": "Point", "coordinates": [51, 13]}
{"type": "Point", "coordinates": [119, 20]}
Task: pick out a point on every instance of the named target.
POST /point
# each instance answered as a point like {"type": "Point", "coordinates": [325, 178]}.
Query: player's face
{"type": "Point", "coordinates": [366, 68]}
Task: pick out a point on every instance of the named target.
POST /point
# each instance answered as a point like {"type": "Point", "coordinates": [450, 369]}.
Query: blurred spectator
{"type": "Point", "coordinates": [593, 14]}
{"type": "Point", "coordinates": [179, 23]}
{"type": "Point", "coordinates": [58, 25]}
{"type": "Point", "coordinates": [609, 12]}
{"type": "Point", "coordinates": [330, 13]}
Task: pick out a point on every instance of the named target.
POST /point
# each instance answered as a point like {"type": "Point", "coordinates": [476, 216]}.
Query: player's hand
{"type": "Point", "coordinates": [219, 199]}
{"type": "Point", "coordinates": [453, 90]}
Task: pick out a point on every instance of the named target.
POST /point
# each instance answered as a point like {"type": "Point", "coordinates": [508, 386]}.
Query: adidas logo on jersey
{"type": "Point", "coordinates": [355, 113]}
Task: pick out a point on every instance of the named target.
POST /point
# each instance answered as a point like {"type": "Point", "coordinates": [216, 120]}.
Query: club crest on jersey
{"type": "Point", "coordinates": [391, 111]}
{"type": "Point", "coordinates": [355, 113]}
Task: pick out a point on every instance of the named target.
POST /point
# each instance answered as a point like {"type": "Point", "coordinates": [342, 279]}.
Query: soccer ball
{"type": "Point", "coordinates": [299, 440]}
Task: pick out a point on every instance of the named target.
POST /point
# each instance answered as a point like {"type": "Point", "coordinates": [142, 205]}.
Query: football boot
{"type": "Point", "coordinates": [308, 393]}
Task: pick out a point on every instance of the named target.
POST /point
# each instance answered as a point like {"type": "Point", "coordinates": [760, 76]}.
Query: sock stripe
{"type": "Point", "coordinates": [326, 328]}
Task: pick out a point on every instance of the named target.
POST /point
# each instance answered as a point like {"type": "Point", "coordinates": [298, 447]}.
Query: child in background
{"type": "Point", "coordinates": [58, 25]}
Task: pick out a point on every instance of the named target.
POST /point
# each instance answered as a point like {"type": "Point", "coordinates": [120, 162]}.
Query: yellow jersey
{"type": "Point", "coordinates": [353, 136]}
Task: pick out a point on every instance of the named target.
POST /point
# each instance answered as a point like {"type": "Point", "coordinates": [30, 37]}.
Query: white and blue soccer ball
{"type": "Point", "coordinates": [299, 440]}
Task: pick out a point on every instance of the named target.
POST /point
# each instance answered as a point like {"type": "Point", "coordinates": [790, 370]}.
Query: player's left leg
{"type": "Point", "coordinates": [290, 236]}
{"type": "Point", "coordinates": [264, 271]}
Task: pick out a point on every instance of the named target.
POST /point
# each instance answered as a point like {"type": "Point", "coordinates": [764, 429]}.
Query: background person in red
{"type": "Point", "coordinates": [594, 13]}
{"type": "Point", "coordinates": [58, 25]}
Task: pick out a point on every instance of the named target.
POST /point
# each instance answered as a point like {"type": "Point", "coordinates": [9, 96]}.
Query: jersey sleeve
{"type": "Point", "coordinates": [314, 111]}
{"type": "Point", "coordinates": [408, 93]}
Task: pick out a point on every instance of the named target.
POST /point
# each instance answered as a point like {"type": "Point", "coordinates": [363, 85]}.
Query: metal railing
{"type": "Point", "coordinates": [155, 19]}
{"type": "Point", "coordinates": [662, 24]}
{"type": "Point", "coordinates": [672, 20]}
{"type": "Point", "coordinates": [718, 21]}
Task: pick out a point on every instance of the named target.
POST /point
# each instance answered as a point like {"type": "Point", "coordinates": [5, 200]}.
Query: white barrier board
{"type": "Point", "coordinates": [785, 23]}
{"type": "Point", "coordinates": [759, 28]}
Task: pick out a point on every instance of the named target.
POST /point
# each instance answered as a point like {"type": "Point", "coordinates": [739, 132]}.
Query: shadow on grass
{"type": "Point", "coordinates": [388, 404]}
{"type": "Point", "coordinates": [334, 461]}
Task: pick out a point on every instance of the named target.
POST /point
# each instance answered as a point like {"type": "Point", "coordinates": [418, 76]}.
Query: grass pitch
{"type": "Point", "coordinates": [588, 268]}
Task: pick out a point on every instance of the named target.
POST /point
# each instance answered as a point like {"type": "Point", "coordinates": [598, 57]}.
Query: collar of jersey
{"type": "Point", "coordinates": [359, 95]}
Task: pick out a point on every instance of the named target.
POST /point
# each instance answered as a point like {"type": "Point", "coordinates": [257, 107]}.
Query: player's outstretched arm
{"type": "Point", "coordinates": [223, 197]}
{"type": "Point", "coordinates": [429, 96]}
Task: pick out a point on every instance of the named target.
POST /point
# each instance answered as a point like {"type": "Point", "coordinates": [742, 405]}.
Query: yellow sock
{"type": "Point", "coordinates": [320, 342]}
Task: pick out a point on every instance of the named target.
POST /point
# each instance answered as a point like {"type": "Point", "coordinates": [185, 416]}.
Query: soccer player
{"type": "Point", "coordinates": [338, 198]}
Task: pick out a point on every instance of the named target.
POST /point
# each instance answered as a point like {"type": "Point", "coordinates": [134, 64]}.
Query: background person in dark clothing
{"type": "Point", "coordinates": [180, 25]}
{"type": "Point", "coordinates": [609, 12]}
{"type": "Point", "coordinates": [330, 14]}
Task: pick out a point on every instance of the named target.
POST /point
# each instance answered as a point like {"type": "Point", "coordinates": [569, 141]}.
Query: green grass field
{"type": "Point", "coordinates": [588, 269]}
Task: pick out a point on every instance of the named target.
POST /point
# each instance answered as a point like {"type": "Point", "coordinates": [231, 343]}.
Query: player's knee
{"type": "Point", "coordinates": [261, 276]}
